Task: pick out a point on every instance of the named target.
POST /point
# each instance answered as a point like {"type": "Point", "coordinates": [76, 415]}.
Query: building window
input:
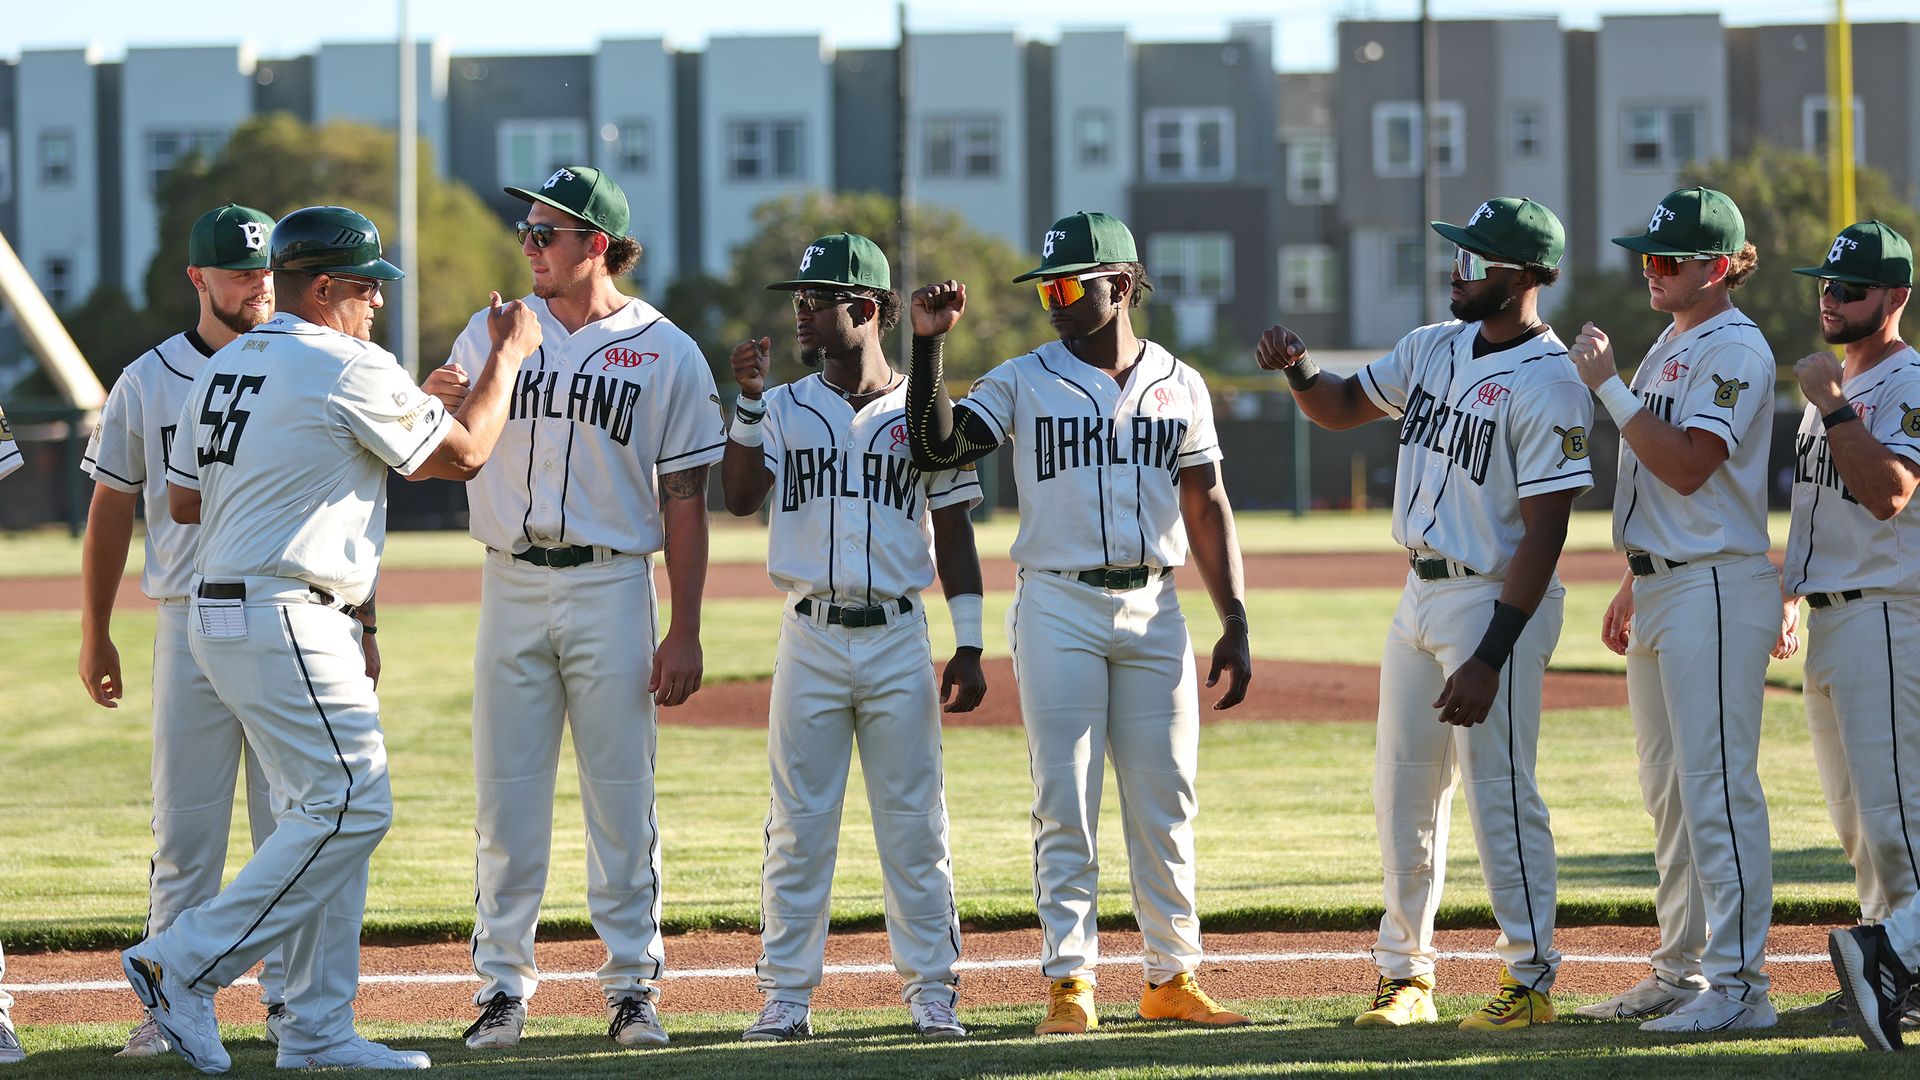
{"type": "Point", "coordinates": [58, 280]}
{"type": "Point", "coordinates": [960, 147]}
{"type": "Point", "coordinates": [6, 165]}
{"type": "Point", "coordinates": [764, 150]}
{"type": "Point", "coordinates": [1397, 137]}
{"type": "Point", "coordinates": [1310, 171]}
{"type": "Point", "coordinates": [1093, 138]}
{"type": "Point", "coordinates": [56, 158]}
{"type": "Point", "coordinates": [1661, 137]}
{"type": "Point", "coordinates": [1306, 278]}
{"type": "Point", "coordinates": [1816, 116]}
{"type": "Point", "coordinates": [1526, 138]}
{"type": "Point", "coordinates": [1191, 266]}
{"type": "Point", "coordinates": [1189, 144]}
{"type": "Point", "coordinates": [530, 151]}
{"type": "Point", "coordinates": [1407, 265]}
{"type": "Point", "coordinates": [632, 146]}
{"type": "Point", "coordinates": [165, 149]}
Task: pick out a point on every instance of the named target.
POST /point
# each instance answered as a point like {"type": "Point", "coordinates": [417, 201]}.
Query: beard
{"type": "Point", "coordinates": [243, 318]}
{"type": "Point", "coordinates": [1480, 308]}
{"type": "Point", "coordinates": [814, 357]}
{"type": "Point", "coordinates": [1852, 330]}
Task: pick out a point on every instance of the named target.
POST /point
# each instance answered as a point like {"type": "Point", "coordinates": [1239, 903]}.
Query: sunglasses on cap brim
{"type": "Point", "coordinates": [1669, 265]}
{"type": "Point", "coordinates": [542, 233]}
{"type": "Point", "coordinates": [1468, 266]}
{"type": "Point", "coordinates": [1062, 291]}
{"type": "Point", "coordinates": [1846, 292]}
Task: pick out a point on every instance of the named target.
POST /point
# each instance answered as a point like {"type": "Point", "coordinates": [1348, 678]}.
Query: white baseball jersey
{"type": "Point", "coordinates": [849, 518]}
{"type": "Point", "coordinates": [1097, 463]}
{"type": "Point", "coordinates": [10, 458]}
{"type": "Point", "coordinates": [1835, 544]}
{"type": "Point", "coordinates": [132, 446]}
{"type": "Point", "coordinates": [1717, 378]}
{"type": "Point", "coordinates": [1477, 435]}
{"type": "Point", "coordinates": [595, 418]}
{"type": "Point", "coordinates": [293, 429]}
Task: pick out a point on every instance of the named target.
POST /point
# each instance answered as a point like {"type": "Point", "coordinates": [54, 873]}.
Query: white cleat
{"type": "Point", "coordinates": [935, 1020]}
{"type": "Point", "coordinates": [1713, 1010]}
{"type": "Point", "coordinates": [276, 1019]}
{"type": "Point", "coordinates": [502, 1019]}
{"type": "Point", "coordinates": [780, 1021]}
{"type": "Point", "coordinates": [10, 1051]}
{"type": "Point", "coordinates": [145, 1041]}
{"type": "Point", "coordinates": [185, 1016]}
{"type": "Point", "coordinates": [1647, 999]}
{"type": "Point", "coordinates": [633, 1021]}
{"type": "Point", "coordinates": [355, 1053]}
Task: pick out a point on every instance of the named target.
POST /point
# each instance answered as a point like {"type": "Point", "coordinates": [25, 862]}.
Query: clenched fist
{"type": "Point", "coordinates": [751, 362]}
{"type": "Point", "coordinates": [937, 308]}
{"type": "Point", "coordinates": [1592, 355]}
{"type": "Point", "coordinates": [514, 328]}
{"type": "Point", "coordinates": [1279, 349]}
{"type": "Point", "coordinates": [1819, 377]}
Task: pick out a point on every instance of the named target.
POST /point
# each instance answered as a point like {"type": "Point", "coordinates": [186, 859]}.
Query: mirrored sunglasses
{"type": "Point", "coordinates": [372, 286]}
{"type": "Point", "coordinates": [1468, 266]}
{"type": "Point", "coordinates": [1062, 291]}
{"type": "Point", "coordinates": [808, 301]}
{"type": "Point", "coordinates": [542, 233]}
{"type": "Point", "coordinates": [1669, 265]}
{"type": "Point", "coordinates": [1846, 292]}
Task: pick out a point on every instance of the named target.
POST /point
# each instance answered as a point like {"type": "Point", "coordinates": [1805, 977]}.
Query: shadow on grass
{"type": "Point", "coordinates": [1791, 866]}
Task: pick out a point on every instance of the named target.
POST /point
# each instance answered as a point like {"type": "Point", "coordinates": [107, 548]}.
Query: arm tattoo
{"type": "Point", "coordinates": [685, 484]}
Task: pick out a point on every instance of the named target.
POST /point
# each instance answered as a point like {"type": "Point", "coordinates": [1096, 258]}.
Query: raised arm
{"type": "Point", "coordinates": [1327, 399]}
{"type": "Point", "coordinates": [942, 435]}
{"type": "Point", "coordinates": [1679, 457]}
{"type": "Point", "coordinates": [1880, 479]}
{"type": "Point", "coordinates": [744, 475]}
{"type": "Point", "coordinates": [515, 333]}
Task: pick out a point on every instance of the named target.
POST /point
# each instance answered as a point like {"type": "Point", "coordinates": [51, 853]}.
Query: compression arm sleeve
{"type": "Point", "coordinates": [941, 434]}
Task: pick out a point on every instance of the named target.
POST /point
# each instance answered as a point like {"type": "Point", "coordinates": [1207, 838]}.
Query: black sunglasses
{"type": "Point", "coordinates": [367, 283]}
{"type": "Point", "coordinates": [808, 301]}
{"type": "Point", "coordinates": [1846, 292]}
{"type": "Point", "coordinates": [542, 233]}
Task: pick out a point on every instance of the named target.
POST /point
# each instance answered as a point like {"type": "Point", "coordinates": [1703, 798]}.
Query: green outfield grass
{"type": "Point", "coordinates": [1290, 1037]}
{"type": "Point", "coordinates": [1286, 832]}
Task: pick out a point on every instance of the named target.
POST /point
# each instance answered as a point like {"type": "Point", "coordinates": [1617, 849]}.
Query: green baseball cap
{"type": "Point", "coordinates": [1517, 229]}
{"type": "Point", "coordinates": [841, 259]}
{"type": "Point", "coordinates": [1691, 221]}
{"type": "Point", "coordinates": [232, 237]}
{"type": "Point", "coordinates": [1083, 241]}
{"type": "Point", "coordinates": [1869, 253]}
{"type": "Point", "coordinates": [587, 194]}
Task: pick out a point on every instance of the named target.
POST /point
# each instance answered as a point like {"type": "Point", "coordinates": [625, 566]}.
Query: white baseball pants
{"type": "Point", "coordinates": [1109, 674]}
{"type": "Point", "coordinates": [1696, 675]}
{"type": "Point", "coordinates": [1863, 709]}
{"type": "Point", "coordinates": [6, 999]}
{"type": "Point", "coordinates": [1419, 762]}
{"type": "Point", "coordinates": [566, 646]}
{"type": "Point", "coordinates": [293, 673]}
{"type": "Point", "coordinates": [835, 687]}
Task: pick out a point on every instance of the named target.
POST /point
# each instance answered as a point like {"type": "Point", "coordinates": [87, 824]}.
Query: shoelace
{"type": "Point", "coordinates": [496, 1012]}
{"type": "Point", "coordinates": [776, 1014]}
{"type": "Point", "coordinates": [1505, 1000]}
{"type": "Point", "coordinates": [939, 1012]}
{"type": "Point", "coordinates": [628, 1011]}
{"type": "Point", "coordinates": [1060, 1000]}
{"type": "Point", "coordinates": [1389, 991]}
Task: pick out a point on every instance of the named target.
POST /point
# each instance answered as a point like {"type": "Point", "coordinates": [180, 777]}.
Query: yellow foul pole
{"type": "Point", "coordinates": [1840, 142]}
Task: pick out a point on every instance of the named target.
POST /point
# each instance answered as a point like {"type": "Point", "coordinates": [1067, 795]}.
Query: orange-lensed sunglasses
{"type": "Point", "coordinates": [1669, 265]}
{"type": "Point", "coordinates": [1061, 291]}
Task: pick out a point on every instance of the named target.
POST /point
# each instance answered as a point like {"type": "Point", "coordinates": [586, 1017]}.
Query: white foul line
{"type": "Point", "coordinates": [443, 979]}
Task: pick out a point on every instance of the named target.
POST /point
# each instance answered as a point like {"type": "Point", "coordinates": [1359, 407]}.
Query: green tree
{"type": "Point", "coordinates": [278, 164]}
{"type": "Point", "coordinates": [1003, 319]}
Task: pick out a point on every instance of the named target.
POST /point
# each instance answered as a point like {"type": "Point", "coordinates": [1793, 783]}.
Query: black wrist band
{"type": "Point", "coordinates": [1502, 631]}
{"type": "Point", "coordinates": [365, 629]}
{"type": "Point", "coordinates": [1840, 416]}
{"type": "Point", "coordinates": [1302, 375]}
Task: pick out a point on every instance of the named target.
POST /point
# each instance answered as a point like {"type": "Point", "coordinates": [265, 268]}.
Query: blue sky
{"type": "Point", "coordinates": [1303, 29]}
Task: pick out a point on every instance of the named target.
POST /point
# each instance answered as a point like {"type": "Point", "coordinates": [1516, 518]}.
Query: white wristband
{"type": "Point", "coordinates": [965, 610]}
{"type": "Point", "coordinates": [746, 434]}
{"type": "Point", "coordinates": [1620, 402]}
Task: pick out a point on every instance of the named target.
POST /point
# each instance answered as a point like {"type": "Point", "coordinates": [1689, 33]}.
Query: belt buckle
{"type": "Point", "coordinates": [857, 617]}
{"type": "Point", "coordinates": [1641, 563]}
{"type": "Point", "coordinates": [568, 556]}
{"type": "Point", "coordinates": [1126, 579]}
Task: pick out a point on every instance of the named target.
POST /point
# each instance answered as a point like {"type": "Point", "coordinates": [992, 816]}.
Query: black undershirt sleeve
{"type": "Point", "coordinates": [941, 435]}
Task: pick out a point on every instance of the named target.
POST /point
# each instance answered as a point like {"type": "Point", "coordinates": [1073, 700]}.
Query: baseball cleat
{"type": "Point", "coordinates": [780, 1021]}
{"type": "Point", "coordinates": [276, 1019]}
{"type": "Point", "coordinates": [1649, 998]}
{"type": "Point", "coordinates": [355, 1053]}
{"type": "Point", "coordinates": [1513, 1006]}
{"type": "Point", "coordinates": [144, 1041]}
{"type": "Point", "coordinates": [1399, 1002]}
{"type": "Point", "coordinates": [11, 1052]}
{"type": "Point", "coordinates": [633, 1021]}
{"type": "Point", "coordinates": [1180, 998]}
{"type": "Point", "coordinates": [1713, 1010]}
{"type": "Point", "coordinates": [1874, 982]}
{"type": "Point", "coordinates": [185, 1016]}
{"type": "Point", "coordinates": [501, 1021]}
{"type": "Point", "coordinates": [1070, 1009]}
{"type": "Point", "coordinates": [935, 1020]}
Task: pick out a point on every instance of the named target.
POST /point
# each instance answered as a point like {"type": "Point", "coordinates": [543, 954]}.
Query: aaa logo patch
{"type": "Point", "coordinates": [1727, 391]}
{"type": "Point", "coordinates": [1909, 420]}
{"type": "Point", "coordinates": [1573, 443]}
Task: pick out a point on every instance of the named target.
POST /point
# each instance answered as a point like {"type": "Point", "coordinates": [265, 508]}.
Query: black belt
{"type": "Point", "coordinates": [1829, 599]}
{"type": "Point", "coordinates": [558, 558]}
{"type": "Point", "coordinates": [856, 617]}
{"type": "Point", "coordinates": [1116, 578]}
{"type": "Point", "coordinates": [1643, 564]}
{"type": "Point", "coordinates": [1437, 568]}
{"type": "Point", "coordinates": [234, 590]}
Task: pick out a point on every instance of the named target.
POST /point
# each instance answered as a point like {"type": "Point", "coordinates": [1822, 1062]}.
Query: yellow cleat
{"type": "Point", "coordinates": [1069, 1008]}
{"type": "Point", "coordinates": [1400, 1002]}
{"type": "Point", "coordinates": [1513, 1006]}
{"type": "Point", "coordinates": [1180, 998]}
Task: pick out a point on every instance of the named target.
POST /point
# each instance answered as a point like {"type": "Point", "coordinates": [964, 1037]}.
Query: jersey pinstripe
{"type": "Point", "coordinates": [1717, 378]}
{"type": "Point", "coordinates": [129, 452]}
{"type": "Point", "coordinates": [10, 457]}
{"type": "Point", "coordinates": [1097, 462]}
{"type": "Point", "coordinates": [1834, 543]}
{"type": "Point", "coordinates": [595, 418]}
{"type": "Point", "coordinates": [849, 518]}
{"type": "Point", "coordinates": [1477, 435]}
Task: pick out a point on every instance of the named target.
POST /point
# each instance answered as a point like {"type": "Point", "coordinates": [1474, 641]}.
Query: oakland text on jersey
{"type": "Point", "coordinates": [603, 401]}
{"type": "Point", "coordinates": [1466, 438]}
{"type": "Point", "coordinates": [1078, 442]}
{"type": "Point", "coordinates": [827, 472]}
{"type": "Point", "coordinates": [1660, 405]}
{"type": "Point", "coordinates": [1813, 464]}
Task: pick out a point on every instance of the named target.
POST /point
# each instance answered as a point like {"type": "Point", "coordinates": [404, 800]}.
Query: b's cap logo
{"type": "Point", "coordinates": [1485, 211]}
{"type": "Point", "coordinates": [558, 175]}
{"type": "Point", "coordinates": [806, 257]}
{"type": "Point", "coordinates": [1841, 245]}
{"type": "Point", "coordinates": [1573, 443]}
{"type": "Point", "coordinates": [1910, 420]}
{"type": "Point", "coordinates": [254, 234]}
{"type": "Point", "coordinates": [1727, 391]}
{"type": "Point", "coordinates": [1046, 242]}
{"type": "Point", "coordinates": [1660, 214]}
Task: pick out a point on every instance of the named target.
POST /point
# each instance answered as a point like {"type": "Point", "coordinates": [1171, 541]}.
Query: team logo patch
{"type": "Point", "coordinates": [806, 257]}
{"type": "Point", "coordinates": [1046, 242]}
{"type": "Point", "coordinates": [1164, 398]}
{"type": "Point", "coordinates": [400, 399]}
{"type": "Point", "coordinates": [1491, 394]}
{"type": "Point", "coordinates": [1672, 371]}
{"type": "Point", "coordinates": [1909, 420]}
{"type": "Point", "coordinates": [715, 398]}
{"type": "Point", "coordinates": [1841, 245]}
{"type": "Point", "coordinates": [1661, 215]}
{"type": "Point", "coordinates": [255, 345]}
{"type": "Point", "coordinates": [899, 435]}
{"type": "Point", "coordinates": [6, 429]}
{"type": "Point", "coordinates": [1727, 391]}
{"type": "Point", "coordinates": [1485, 211]}
{"type": "Point", "coordinates": [1573, 443]}
{"type": "Point", "coordinates": [558, 175]}
{"type": "Point", "coordinates": [1866, 413]}
{"type": "Point", "coordinates": [626, 358]}
{"type": "Point", "coordinates": [254, 234]}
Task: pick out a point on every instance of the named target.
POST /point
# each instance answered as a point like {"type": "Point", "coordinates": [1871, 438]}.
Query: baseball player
{"type": "Point", "coordinates": [1493, 451]}
{"type": "Point", "coordinates": [287, 436]}
{"type": "Point", "coordinates": [613, 424]}
{"type": "Point", "coordinates": [1850, 553]}
{"type": "Point", "coordinates": [197, 742]}
{"type": "Point", "coordinates": [1117, 465]}
{"type": "Point", "coordinates": [854, 533]}
{"type": "Point", "coordinates": [1697, 613]}
{"type": "Point", "coordinates": [10, 458]}
{"type": "Point", "coordinates": [11, 1052]}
